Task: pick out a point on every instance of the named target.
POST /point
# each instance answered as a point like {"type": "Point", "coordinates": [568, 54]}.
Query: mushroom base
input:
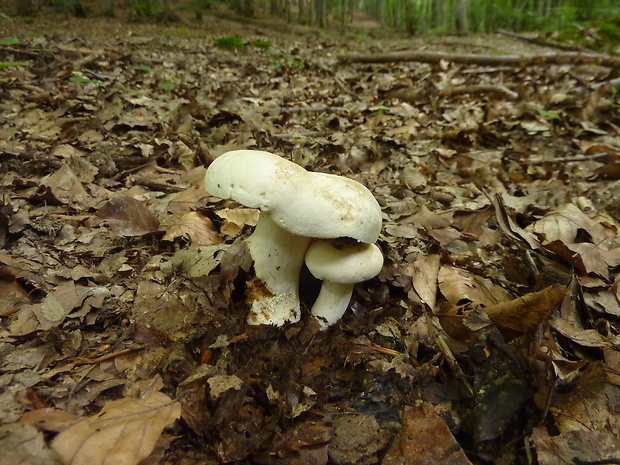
{"type": "Point", "coordinates": [332, 302]}
{"type": "Point", "coordinates": [278, 257]}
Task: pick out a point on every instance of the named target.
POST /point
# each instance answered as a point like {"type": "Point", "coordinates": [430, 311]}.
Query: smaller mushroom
{"type": "Point", "coordinates": [340, 264]}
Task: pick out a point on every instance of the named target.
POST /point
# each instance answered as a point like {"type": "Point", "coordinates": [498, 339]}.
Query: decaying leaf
{"type": "Point", "coordinates": [65, 185]}
{"type": "Point", "coordinates": [198, 228]}
{"type": "Point", "coordinates": [235, 219]}
{"type": "Point", "coordinates": [123, 433]}
{"type": "Point", "coordinates": [219, 384]}
{"type": "Point", "coordinates": [424, 272]}
{"type": "Point", "coordinates": [424, 438]}
{"type": "Point", "coordinates": [127, 216]}
{"type": "Point", "coordinates": [586, 418]}
{"type": "Point", "coordinates": [50, 419]}
{"type": "Point", "coordinates": [195, 261]}
{"type": "Point", "coordinates": [13, 297]}
{"type": "Point", "coordinates": [357, 439]}
{"type": "Point", "coordinates": [575, 237]}
{"type": "Point", "coordinates": [583, 337]}
{"type": "Point", "coordinates": [519, 315]}
{"type": "Point", "coordinates": [458, 286]}
{"type": "Point", "coordinates": [58, 304]}
{"type": "Point", "coordinates": [513, 317]}
{"type": "Point", "coordinates": [22, 444]}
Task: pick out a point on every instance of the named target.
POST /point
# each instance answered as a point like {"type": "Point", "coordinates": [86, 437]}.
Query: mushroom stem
{"type": "Point", "coordinates": [332, 302]}
{"type": "Point", "coordinates": [278, 256]}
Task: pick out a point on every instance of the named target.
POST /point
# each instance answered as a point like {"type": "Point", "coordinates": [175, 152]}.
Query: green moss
{"type": "Point", "coordinates": [261, 43]}
{"type": "Point", "coordinates": [229, 42]}
{"type": "Point", "coordinates": [604, 35]}
{"type": "Point", "coordinates": [609, 32]}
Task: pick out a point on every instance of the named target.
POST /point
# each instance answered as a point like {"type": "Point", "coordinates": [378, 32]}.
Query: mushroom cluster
{"type": "Point", "coordinates": [328, 221]}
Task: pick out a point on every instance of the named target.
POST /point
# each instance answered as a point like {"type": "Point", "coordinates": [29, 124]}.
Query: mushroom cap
{"type": "Point", "coordinates": [343, 263]}
{"type": "Point", "coordinates": [301, 202]}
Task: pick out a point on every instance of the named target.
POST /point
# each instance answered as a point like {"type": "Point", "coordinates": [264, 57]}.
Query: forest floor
{"type": "Point", "coordinates": [490, 336]}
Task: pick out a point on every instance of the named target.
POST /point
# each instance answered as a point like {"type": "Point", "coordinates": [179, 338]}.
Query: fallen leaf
{"type": "Point", "coordinates": [65, 185]}
{"type": "Point", "coordinates": [512, 318]}
{"type": "Point", "coordinates": [186, 200]}
{"type": "Point", "coordinates": [127, 216]}
{"type": "Point", "coordinates": [586, 421]}
{"type": "Point", "coordinates": [13, 297]}
{"type": "Point", "coordinates": [235, 219]}
{"type": "Point", "coordinates": [198, 228]}
{"type": "Point", "coordinates": [50, 419]}
{"type": "Point", "coordinates": [424, 438]}
{"type": "Point", "coordinates": [357, 439]}
{"type": "Point", "coordinates": [24, 445]}
{"type": "Point", "coordinates": [519, 315]}
{"type": "Point", "coordinates": [58, 304]}
{"type": "Point", "coordinates": [219, 384]}
{"type": "Point", "coordinates": [123, 433]}
{"type": "Point", "coordinates": [424, 272]}
{"type": "Point", "coordinates": [458, 286]}
{"type": "Point", "coordinates": [583, 337]}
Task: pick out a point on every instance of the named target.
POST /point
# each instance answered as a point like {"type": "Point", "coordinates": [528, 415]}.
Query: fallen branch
{"type": "Point", "coordinates": [611, 84]}
{"type": "Point", "coordinates": [488, 60]}
{"type": "Point", "coordinates": [542, 42]}
{"type": "Point", "coordinates": [18, 51]}
{"type": "Point", "coordinates": [414, 95]}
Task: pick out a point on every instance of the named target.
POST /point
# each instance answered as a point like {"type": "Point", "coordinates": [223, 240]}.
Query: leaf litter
{"type": "Point", "coordinates": [491, 334]}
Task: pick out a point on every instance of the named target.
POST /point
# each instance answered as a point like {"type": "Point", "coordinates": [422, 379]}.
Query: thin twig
{"type": "Point", "coordinates": [594, 156]}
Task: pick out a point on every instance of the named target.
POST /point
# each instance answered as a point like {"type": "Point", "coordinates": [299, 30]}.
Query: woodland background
{"type": "Point", "coordinates": [488, 131]}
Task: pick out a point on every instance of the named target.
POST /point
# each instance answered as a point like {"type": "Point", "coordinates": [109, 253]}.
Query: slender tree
{"type": "Point", "coordinates": [460, 16]}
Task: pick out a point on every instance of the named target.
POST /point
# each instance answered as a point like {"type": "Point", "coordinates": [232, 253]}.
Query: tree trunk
{"type": "Point", "coordinates": [243, 7]}
{"type": "Point", "coordinates": [107, 8]}
{"type": "Point", "coordinates": [462, 26]}
{"type": "Point", "coordinates": [301, 13]}
{"type": "Point", "coordinates": [409, 23]}
{"type": "Point", "coordinates": [319, 10]}
{"type": "Point", "coordinates": [438, 14]}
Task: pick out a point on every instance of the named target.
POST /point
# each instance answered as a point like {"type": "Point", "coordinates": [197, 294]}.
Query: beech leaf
{"type": "Point", "coordinates": [123, 433]}
{"type": "Point", "coordinates": [127, 216]}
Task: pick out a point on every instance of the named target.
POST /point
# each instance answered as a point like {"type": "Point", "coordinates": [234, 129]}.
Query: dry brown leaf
{"type": "Point", "coordinates": [127, 216]}
{"type": "Point", "coordinates": [565, 223]}
{"type": "Point", "coordinates": [50, 419]}
{"type": "Point", "coordinates": [591, 103]}
{"type": "Point", "coordinates": [586, 420]}
{"type": "Point", "coordinates": [458, 285]}
{"type": "Point", "coordinates": [519, 315]}
{"type": "Point", "coordinates": [198, 228]}
{"type": "Point", "coordinates": [583, 337]}
{"type": "Point", "coordinates": [22, 444]}
{"type": "Point", "coordinates": [123, 433]}
{"type": "Point", "coordinates": [424, 438]}
{"type": "Point", "coordinates": [604, 302]}
{"type": "Point", "coordinates": [65, 185]}
{"type": "Point", "coordinates": [219, 384]}
{"type": "Point", "coordinates": [184, 201]}
{"type": "Point", "coordinates": [509, 227]}
{"type": "Point", "coordinates": [58, 304]}
{"type": "Point", "coordinates": [424, 272]}
{"type": "Point", "coordinates": [236, 219]}
{"type": "Point", "coordinates": [512, 318]}
{"type": "Point", "coordinates": [13, 297]}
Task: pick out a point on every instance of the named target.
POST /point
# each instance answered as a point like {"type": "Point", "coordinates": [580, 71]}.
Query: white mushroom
{"type": "Point", "coordinates": [340, 265]}
{"type": "Point", "coordinates": [295, 205]}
